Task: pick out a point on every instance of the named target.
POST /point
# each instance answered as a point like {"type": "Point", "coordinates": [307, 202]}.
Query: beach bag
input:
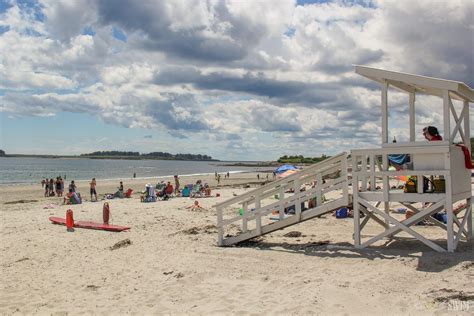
{"type": "Point", "coordinates": [439, 185]}
{"type": "Point", "coordinates": [411, 185]}
{"type": "Point", "coordinates": [342, 213]}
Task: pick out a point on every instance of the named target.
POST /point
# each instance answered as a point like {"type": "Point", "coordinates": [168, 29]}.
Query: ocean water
{"type": "Point", "coordinates": [33, 170]}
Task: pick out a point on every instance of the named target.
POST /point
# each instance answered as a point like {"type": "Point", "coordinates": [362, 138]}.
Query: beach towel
{"type": "Point", "coordinates": [467, 157]}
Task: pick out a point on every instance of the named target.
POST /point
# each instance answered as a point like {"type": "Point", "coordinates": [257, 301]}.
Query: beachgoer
{"type": "Point", "coordinates": [215, 175]}
{"type": "Point", "coordinates": [120, 188]}
{"type": "Point", "coordinates": [134, 175]}
{"type": "Point", "coordinates": [72, 187]}
{"type": "Point", "coordinates": [431, 133]}
{"type": "Point", "coordinates": [46, 187]}
{"type": "Point", "coordinates": [57, 183]}
{"type": "Point", "coordinates": [176, 184]}
{"type": "Point", "coordinates": [51, 187]}
{"type": "Point", "coordinates": [93, 191]}
{"type": "Point", "coordinates": [218, 178]}
{"type": "Point", "coordinates": [42, 183]}
{"type": "Point", "coordinates": [258, 176]}
{"type": "Point", "coordinates": [62, 185]}
{"type": "Point", "coordinates": [228, 174]}
{"type": "Point", "coordinates": [169, 189]}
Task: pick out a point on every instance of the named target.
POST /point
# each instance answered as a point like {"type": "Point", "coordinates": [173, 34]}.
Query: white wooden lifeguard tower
{"type": "Point", "coordinates": [442, 159]}
{"type": "Point", "coordinates": [263, 210]}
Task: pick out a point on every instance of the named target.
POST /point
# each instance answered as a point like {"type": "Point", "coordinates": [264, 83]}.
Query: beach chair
{"type": "Point", "coordinates": [128, 194]}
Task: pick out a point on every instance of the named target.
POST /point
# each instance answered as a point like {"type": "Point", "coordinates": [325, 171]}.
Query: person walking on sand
{"type": "Point", "coordinates": [218, 178]}
{"type": "Point", "coordinates": [93, 184]}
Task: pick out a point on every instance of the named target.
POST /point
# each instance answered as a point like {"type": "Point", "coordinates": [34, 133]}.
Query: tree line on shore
{"type": "Point", "coordinates": [152, 155]}
{"type": "Point", "coordinates": [301, 159]}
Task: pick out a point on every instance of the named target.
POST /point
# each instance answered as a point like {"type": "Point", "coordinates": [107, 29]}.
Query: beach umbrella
{"type": "Point", "coordinates": [286, 173]}
{"type": "Point", "coordinates": [284, 168]}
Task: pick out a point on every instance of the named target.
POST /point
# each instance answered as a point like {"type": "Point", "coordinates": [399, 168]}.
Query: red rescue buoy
{"type": "Point", "coordinates": [69, 221]}
{"type": "Point", "coordinates": [106, 213]}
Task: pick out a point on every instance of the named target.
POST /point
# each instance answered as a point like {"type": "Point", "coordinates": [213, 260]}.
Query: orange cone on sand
{"type": "Point", "coordinates": [69, 221]}
{"type": "Point", "coordinates": [106, 213]}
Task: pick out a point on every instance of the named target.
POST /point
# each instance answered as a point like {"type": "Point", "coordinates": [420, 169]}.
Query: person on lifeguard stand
{"type": "Point", "coordinates": [431, 133]}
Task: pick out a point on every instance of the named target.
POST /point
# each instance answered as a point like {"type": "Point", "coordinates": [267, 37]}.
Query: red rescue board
{"type": "Point", "coordinates": [90, 225]}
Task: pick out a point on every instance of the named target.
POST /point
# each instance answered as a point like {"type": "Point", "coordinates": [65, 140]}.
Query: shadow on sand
{"type": "Point", "coordinates": [399, 247]}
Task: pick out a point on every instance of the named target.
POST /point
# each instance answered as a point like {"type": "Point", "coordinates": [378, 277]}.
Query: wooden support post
{"type": "Point", "coordinates": [297, 188]}
{"type": "Point", "coordinates": [220, 228]}
{"type": "Point", "coordinates": [411, 112]}
{"type": "Point", "coordinates": [449, 212]}
{"type": "Point", "coordinates": [384, 113]}
{"type": "Point", "coordinates": [319, 193]}
{"type": "Point", "coordinates": [345, 188]}
{"type": "Point", "coordinates": [373, 183]}
{"type": "Point", "coordinates": [364, 174]}
{"type": "Point", "coordinates": [467, 129]}
{"type": "Point", "coordinates": [468, 213]}
{"type": "Point", "coordinates": [245, 207]}
{"type": "Point", "coordinates": [258, 216]}
{"type": "Point", "coordinates": [281, 211]}
{"type": "Point", "coordinates": [446, 116]}
{"type": "Point", "coordinates": [355, 204]}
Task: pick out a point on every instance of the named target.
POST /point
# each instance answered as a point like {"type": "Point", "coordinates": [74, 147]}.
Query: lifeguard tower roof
{"type": "Point", "coordinates": [416, 83]}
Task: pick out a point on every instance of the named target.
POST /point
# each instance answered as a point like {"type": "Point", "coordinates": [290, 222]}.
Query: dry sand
{"type": "Point", "coordinates": [173, 266]}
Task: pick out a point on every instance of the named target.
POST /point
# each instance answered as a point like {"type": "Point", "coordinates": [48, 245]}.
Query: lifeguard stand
{"type": "Point", "coordinates": [442, 160]}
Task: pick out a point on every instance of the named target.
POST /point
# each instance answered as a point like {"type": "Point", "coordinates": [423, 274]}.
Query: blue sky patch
{"type": "Point", "coordinates": [119, 34]}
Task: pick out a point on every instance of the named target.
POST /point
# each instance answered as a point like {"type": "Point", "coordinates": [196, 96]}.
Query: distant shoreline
{"type": "Point", "coordinates": [99, 157]}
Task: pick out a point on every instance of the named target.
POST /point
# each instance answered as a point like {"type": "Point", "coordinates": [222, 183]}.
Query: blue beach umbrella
{"type": "Point", "coordinates": [284, 168]}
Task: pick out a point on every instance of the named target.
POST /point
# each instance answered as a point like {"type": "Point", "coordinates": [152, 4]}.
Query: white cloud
{"type": "Point", "coordinates": [239, 73]}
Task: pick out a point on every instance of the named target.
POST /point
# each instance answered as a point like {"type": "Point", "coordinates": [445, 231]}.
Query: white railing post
{"type": "Point", "coordinates": [245, 209]}
{"type": "Point", "coordinates": [281, 196]}
{"type": "Point", "coordinates": [386, 188]}
{"type": "Point", "coordinates": [297, 187]}
{"type": "Point", "coordinates": [364, 173]}
{"type": "Point", "coordinates": [468, 213]}
{"type": "Point", "coordinates": [319, 192]}
{"type": "Point", "coordinates": [355, 205]}
{"type": "Point", "coordinates": [258, 216]}
{"type": "Point", "coordinates": [345, 188]}
{"type": "Point", "coordinates": [373, 183]}
{"type": "Point", "coordinates": [220, 228]}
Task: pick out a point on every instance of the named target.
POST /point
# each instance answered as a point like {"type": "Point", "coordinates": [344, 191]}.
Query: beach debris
{"type": "Point", "coordinates": [207, 229]}
{"type": "Point", "coordinates": [21, 201]}
{"type": "Point", "coordinates": [168, 272]}
{"type": "Point", "coordinates": [23, 259]}
{"type": "Point", "coordinates": [92, 287]}
{"type": "Point", "coordinates": [448, 295]}
{"type": "Point", "coordinates": [48, 207]}
{"type": "Point", "coordinates": [293, 234]}
{"type": "Point", "coordinates": [179, 275]}
{"type": "Point", "coordinates": [123, 243]}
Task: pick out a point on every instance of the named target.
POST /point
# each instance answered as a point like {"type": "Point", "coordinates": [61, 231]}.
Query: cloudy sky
{"type": "Point", "coordinates": [237, 80]}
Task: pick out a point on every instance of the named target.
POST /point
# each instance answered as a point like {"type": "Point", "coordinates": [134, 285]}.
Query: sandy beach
{"type": "Point", "coordinates": [172, 264]}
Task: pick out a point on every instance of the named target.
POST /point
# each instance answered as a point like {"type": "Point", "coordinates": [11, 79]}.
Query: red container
{"type": "Point", "coordinates": [106, 213]}
{"type": "Point", "coordinates": [69, 221]}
